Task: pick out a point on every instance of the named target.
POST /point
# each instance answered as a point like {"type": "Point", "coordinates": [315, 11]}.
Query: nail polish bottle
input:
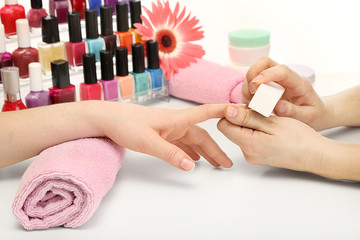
{"type": "Point", "coordinates": [75, 48]}
{"type": "Point", "coordinates": [51, 48]}
{"type": "Point", "coordinates": [59, 9]}
{"type": "Point", "coordinates": [141, 77]}
{"type": "Point", "coordinates": [35, 14]}
{"type": "Point", "coordinates": [24, 54]}
{"type": "Point", "coordinates": [156, 73]}
{"type": "Point", "coordinates": [95, 4]}
{"type": "Point", "coordinates": [125, 36]}
{"type": "Point", "coordinates": [135, 13]}
{"type": "Point", "coordinates": [126, 80]}
{"type": "Point", "coordinates": [109, 84]}
{"type": "Point", "coordinates": [111, 3]}
{"type": "Point", "coordinates": [10, 77]}
{"type": "Point", "coordinates": [37, 96]}
{"type": "Point", "coordinates": [79, 6]}
{"type": "Point", "coordinates": [9, 14]}
{"type": "Point", "coordinates": [62, 90]}
{"type": "Point", "coordinates": [5, 57]}
{"type": "Point", "coordinates": [90, 89]}
{"type": "Point", "coordinates": [94, 43]}
{"type": "Point", "coordinates": [107, 29]}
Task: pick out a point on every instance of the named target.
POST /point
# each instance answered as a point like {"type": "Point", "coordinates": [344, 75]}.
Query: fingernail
{"type": "Point", "coordinates": [231, 112]}
{"type": "Point", "coordinates": [187, 164]}
{"type": "Point", "coordinates": [252, 88]}
{"type": "Point", "coordinates": [282, 108]}
{"type": "Point", "coordinates": [257, 79]}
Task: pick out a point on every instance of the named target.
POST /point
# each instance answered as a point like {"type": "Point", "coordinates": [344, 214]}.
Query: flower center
{"type": "Point", "coordinates": [167, 41]}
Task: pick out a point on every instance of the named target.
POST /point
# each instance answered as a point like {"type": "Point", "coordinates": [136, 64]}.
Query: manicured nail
{"type": "Point", "coordinates": [187, 164]}
{"type": "Point", "coordinates": [231, 112]}
{"type": "Point", "coordinates": [282, 109]}
{"type": "Point", "coordinates": [252, 88]}
{"type": "Point", "coordinates": [257, 79]}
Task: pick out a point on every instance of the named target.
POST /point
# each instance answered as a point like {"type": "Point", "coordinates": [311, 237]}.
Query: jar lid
{"type": "Point", "coordinates": [249, 38]}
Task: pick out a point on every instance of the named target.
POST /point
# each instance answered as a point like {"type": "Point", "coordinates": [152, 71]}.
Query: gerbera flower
{"type": "Point", "coordinates": [174, 32]}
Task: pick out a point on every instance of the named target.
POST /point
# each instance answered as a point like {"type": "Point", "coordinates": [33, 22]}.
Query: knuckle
{"type": "Point", "coordinates": [244, 117]}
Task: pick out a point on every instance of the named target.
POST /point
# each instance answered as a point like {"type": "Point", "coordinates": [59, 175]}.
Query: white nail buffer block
{"type": "Point", "coordinates": [266, 97]}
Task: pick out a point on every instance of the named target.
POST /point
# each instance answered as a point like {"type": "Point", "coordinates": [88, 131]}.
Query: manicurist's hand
{"type": "Point", "coordinates": [278, 141]}
{"type": "Point", "coordinates": [300, 100]}
{"type": "Point", "coordinates": [170, 135]}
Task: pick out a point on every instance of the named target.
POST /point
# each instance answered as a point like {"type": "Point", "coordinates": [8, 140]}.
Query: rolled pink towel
{"type": "Point", "coordinates": [64, 185]}
{"type": "Point", "coordinates": [207, 82]}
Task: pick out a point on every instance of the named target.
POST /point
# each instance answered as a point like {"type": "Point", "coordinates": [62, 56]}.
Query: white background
{"type": "Point", "coordinates": [152, 200]}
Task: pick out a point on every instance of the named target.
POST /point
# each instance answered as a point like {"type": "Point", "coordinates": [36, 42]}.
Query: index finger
{"type": "Point", "coordinates": [191, 116]}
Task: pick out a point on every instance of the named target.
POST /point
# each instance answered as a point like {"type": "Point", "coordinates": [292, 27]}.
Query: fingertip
{"type": "Point", "coordinates": [187, 164]}
{"type": "Point", "coordinates": [281, 108]}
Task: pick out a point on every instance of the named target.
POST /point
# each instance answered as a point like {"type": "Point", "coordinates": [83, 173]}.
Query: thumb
{"type": "Point", "coordinates": [170, 153]}
{"type": "Point", "coordinates": [287, 109]}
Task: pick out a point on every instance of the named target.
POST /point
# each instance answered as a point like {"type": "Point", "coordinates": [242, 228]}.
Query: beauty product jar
{"type": "Point", "coordinates": [248, 45]}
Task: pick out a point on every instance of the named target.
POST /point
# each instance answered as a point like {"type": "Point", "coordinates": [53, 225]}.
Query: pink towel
{"type": "Point", "coordinates": [64, 185]}
{"type": "Point", "coordinates": [207, 82]}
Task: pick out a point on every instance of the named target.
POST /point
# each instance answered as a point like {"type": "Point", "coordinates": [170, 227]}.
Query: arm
{"type": "Point", "coordinates": [288, 143]}
{"type": "Point", "coordinates": [164, 133]}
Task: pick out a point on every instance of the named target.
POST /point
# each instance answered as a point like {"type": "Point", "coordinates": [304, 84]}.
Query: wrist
{"type": "Point", "coordinates": [91, 112]}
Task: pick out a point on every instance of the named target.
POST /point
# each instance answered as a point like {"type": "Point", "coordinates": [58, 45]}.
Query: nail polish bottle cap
{"type": "Point", "coordinates": [91, 23]}
{"type": "Point", "coordinates": [36, 3]}
{"type": "Point", "coordinates": [11, 2]}
{"type": "Point", "coordinates": [10, 80]}
{"type": "Point", "coordinates": [60, 73]}
{"type": "Point", "coordinates": [138, 58]}
{"type": "Point", "coordinates": [74, 27]}
{"type": "Point", "coordinates": [135, 12]}
{"type": "Point", "coordinates": [106, 20]}
{"type": "Point", "coordinates": [89, 68]}
{"type": "Point", "coordinates": [35, 76]}
{"type": "Point", "coordinates": [23, 33]}
{"type": "Point", "coordinates": [50, 29]}
{"type": "Point", "coordinates": [2, 39]}
{"type": "Point", "coordinates": [122, 17]}
{"type": "Point", "coordinates": [152, 52]}
{"type": "Point", "coordinates": [107, 65]}
{"type": "Point", "coordinates": [121, 55]}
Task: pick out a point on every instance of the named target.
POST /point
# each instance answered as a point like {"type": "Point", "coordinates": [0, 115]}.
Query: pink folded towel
{"type": "Point", "coordinates": [207, 82]}
{"type": "Point", "coordinates": [64, 185]}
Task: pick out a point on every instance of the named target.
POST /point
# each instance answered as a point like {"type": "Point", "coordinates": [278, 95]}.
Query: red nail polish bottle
{"type": "Point", "coordinates": [122, 20]}
{"type": "Point", "coordinates": [35, 14]}
{"type": "Point", "coordinates": [75, 48]}
{"type": "Point", "coordinates": [9, 14]}
{"type": "Point", "coordinates": [62, 90]}
{"type": "Point", "coordinates": [90, 89]}
{"type": "Point", "coordinates": [78, 6]}
{"type": "Point", "coordinates": [25, 54]}
{"type": "Point", "coordinates": [10, 77]}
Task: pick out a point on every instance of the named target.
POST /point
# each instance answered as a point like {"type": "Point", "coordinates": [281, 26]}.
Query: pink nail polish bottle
{"type": "Point", "coordinates": [35, 14]}
{"type": "Point", "coordinates": [5, 57]}
{"type": "Point", "coordinates": [108, 82]}
{"type": "Point", "coordinates": [59, 9]}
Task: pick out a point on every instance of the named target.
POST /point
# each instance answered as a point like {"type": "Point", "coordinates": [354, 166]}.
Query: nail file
{"type": "Point", "coordinates": [266, 97]}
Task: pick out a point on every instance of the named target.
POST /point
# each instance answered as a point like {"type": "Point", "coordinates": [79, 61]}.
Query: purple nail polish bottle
{"type": "Point", "coordinates": [108, 82]}
{"type": "Point", "coordinates": [37, 96]}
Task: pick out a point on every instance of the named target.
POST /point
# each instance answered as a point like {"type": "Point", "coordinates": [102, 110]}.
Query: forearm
{"type": "Point", "coordinates": [344, 108]}
{"type": "Point", "coordinates": [26, 133]}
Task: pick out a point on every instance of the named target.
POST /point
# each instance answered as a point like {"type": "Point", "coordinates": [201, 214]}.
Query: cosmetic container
{"type": "Point", "coordinates": [141, 76]}
{"type": "Point", "coordinates": [246, 46]}
{"type": "Point", "coordinates": [108, 82]}
{"type": "Point", "coordinates": [78, 6]}
{"type": "Point", "coordinates": [156, 74]}
{"type": "Point", "coordinates": [12, 97]}
{"type": "Point", "coordinates": [122, 21]}
{"type": "Point", "coordinates": [94, 43]}
{"type": "Point", "coordinates": [95, 5]}
{"type": "Point", "coordinates": [35, 14]}
{"type": "Point", "coordinates": [135, 13]}
{"type": "Point", "coordinates": [90, 89]}
{"type": "Point", "coordinates": [125, 80]}
{"type": "Point", "coordinates": [24, 54]}
{"type": "Point", "coordinates": [51, 48]}
{"type": "Point", "coordinates": [107, 29]}
{"type": "Point", "coordinates": [9, 14]}
{"type": "Point", "coordinates": [59, 9]}
{"type": "Point", "coordinates": [62, 90]}
{"type": "Point", "coordinates": [111, 3]}
{"type": "Point", "coordinates": [76, 47]}
{"type": "Point", "coordinates": [5, 57]}
{"type": "Point", "coordinates": [37, 97]}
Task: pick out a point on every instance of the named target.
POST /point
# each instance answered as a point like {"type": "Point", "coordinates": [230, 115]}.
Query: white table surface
{"type": "Point", "coordinates": [153, 200]}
